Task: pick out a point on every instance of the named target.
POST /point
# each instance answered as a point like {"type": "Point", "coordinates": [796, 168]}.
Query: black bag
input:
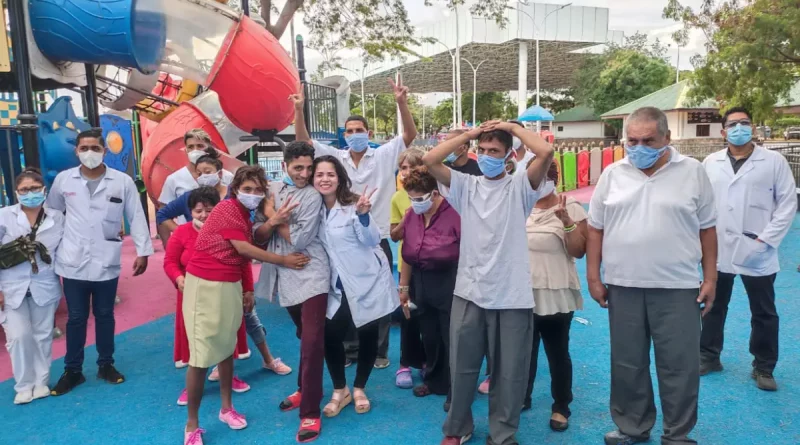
{"type": "Point", "coordinates": [24, 248]}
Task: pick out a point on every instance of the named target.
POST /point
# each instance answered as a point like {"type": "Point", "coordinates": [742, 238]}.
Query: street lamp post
{"type": "Point", "coordinates": [451, 53]}
{"type": "Point", "coordinates": [458, 66]}
{"type": "Point", "coordinates": [474, 86]}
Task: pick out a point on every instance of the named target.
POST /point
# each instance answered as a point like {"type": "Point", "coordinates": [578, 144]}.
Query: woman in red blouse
{"type": "Point", "coordinates": [201, 202]}
{"type": "Point", "coordinates": [430, 264]}
{"type": "Point", "coordinates": [218, 287]}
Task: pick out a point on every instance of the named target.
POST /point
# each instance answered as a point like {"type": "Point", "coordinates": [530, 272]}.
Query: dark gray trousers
{"type": "Point", "coordinates": [671, 318]}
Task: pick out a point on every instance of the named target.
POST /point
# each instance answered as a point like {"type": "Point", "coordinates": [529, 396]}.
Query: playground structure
{"type": "Point", "coordinates": [581, 166]}
{"type": "Point", "coordinates": [163, 68]}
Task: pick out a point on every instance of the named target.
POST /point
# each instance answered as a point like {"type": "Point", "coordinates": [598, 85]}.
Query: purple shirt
{"type": "Point", "coordinates": [436, 246]}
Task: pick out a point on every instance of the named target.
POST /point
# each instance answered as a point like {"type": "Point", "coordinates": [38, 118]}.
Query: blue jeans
{"type": "Point", "coordinates": [79, 294]}
{"type": "Point", "coordinates": [254, 327]}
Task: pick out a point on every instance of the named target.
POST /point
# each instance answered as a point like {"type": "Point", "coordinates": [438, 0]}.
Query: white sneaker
{"type": "Point", "coordinates": [244, 356]}
{"type": "Point", "coordinates": [23, 397]}
{"type": "Point", "coordinates": [40, 392]}
{"type": "Point", "coordinates": [180, 364]}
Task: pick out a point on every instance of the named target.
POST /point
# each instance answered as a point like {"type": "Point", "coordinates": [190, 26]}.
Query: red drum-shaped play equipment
{"type": "Point", "coordinates": [608, 157]}
{"type": "Point", "coordinates": [164, 151]}
{"type": "Point", "coordinates": [254, 78]}
{"type": "Point", "coordinates": [583, 168]}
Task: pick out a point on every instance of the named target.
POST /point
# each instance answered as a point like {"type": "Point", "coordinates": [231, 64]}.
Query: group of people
{"type": "Point", "coordinates": [487, 268]}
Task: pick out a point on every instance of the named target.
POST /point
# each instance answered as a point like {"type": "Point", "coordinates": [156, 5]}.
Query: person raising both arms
{"type": "Point", "coordinates": [459, 160]}
{"type": "Point", "coordinates": [371, 168]}
{"type": "Point", "coordinates": [493, 297]}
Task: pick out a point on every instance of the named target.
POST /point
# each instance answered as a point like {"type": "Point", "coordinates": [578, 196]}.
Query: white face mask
{"type": "Point", "coordinates": [249, 201]}
{"type": "Point", "coordinates": [194, 155]}
{"type": "Point", "coordinates": [90, 159]}
{"type": "Point", "coordinates": [208, 179]}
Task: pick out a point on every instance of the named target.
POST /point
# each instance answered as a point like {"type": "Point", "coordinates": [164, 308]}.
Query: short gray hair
{"type": "Point", "coordinates": [650, 114]}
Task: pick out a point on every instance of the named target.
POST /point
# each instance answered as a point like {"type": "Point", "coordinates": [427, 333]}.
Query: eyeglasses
{"type": "Point", "coordinates": [27, 190]}
{"type": "Point", "coordinates": [743, 122]}
{"type": "Point", "coordinates": [421, 198]}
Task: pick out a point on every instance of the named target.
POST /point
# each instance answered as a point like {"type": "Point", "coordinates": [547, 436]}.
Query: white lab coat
{"type": "Point", "coordinates": [356, 259]}
{"type": "Point", "coordinates": [761, 199]}
{"type": "Point", "coordinates": [91, 247]}
{"type": "Point", "coordinates": [28, 322]}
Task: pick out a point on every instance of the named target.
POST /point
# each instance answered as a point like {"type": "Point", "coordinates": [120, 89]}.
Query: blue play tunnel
{"type": "Point", "coordinates": [129, 33]}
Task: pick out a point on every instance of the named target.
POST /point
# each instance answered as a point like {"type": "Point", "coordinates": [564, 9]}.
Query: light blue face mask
{"type": "Point", "coordinates": [644, 157]}
{"type": "Point", "coordinates": [492, 167]}
{"type": "Point", "coordinates": [451, 158]}
{"type": "Point", "coordinates": [287, 180]}
{"type": "Point", "coordinates": [358, 142]}
{"type": "Point", "coordinates": [739, 135]}
{"type": "Point", "coordinates": [31, 199]}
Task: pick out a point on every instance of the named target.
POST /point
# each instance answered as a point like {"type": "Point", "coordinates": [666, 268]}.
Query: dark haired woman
{"type": "Point", "coordinates": [218, 283]}
{"type": "Point", "coordinates": [29, 287]}
{"type": "Point", "coordinates": [362, 289]}
{"type": "Point", "coordinates": [428, 277]}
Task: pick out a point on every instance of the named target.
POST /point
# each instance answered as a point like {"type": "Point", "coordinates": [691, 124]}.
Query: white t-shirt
{"type": "Point", "coordinates": [494, 245]}
{"type": "Point", "coordinates": [181, 182]}
{"type": "Point", "coordinates": [376, 169]}
{"type": "Point", "coordinates": [651, 225]}
{"type": "Point", "coordinates": [522, 168]}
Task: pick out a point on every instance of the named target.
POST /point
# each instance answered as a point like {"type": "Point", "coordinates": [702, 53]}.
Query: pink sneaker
{"type": "Point", "coordinates": [193, 438]}
{"type": "Point", "coordinates": [183, 400]}
{"type": "Point", "coordinates": [483, 388]}
{"type": "Point", "coordinates": [239, 385]}
{"type": "Point", "coordinates": [234, 420]}
{"type": "Point", "coordinates": [214, 376]}
{"type": "Point", "coordinates": [278, 367]}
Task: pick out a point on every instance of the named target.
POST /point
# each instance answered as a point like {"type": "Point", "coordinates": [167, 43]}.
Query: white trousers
{"type": "Point", "coordinates": [29, 340]}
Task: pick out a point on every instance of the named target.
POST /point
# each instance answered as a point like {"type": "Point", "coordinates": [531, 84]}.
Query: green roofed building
{"type": "Point", "coordinates": [580, 122]}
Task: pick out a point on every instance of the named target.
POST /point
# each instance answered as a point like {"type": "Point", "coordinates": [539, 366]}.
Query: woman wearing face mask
{"type": "Point", "coordinates": [29, 287]}
{"type": "Point", "coordinates": [218, 283]}
{"type": "Point", "coordinates": [428, 277]}
{"type": "Point", "coordinates": [412, 351]}
{"type": "Point", "coordinates": [362, 290]}
{"type": "Point", "coordinates": [556, 237]}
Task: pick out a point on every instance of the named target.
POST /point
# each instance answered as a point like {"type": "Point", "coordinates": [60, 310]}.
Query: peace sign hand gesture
{"type": "Point", "coordinates": [298, 99]}
{"type": "Point", "coordinates": [561, 211]}
{"type": "Point", "coordinates": [400, 91]}
{"type": "Point", "coordinates": [283, 214]}
{"type": "Point", "coordinates": [363, 206]}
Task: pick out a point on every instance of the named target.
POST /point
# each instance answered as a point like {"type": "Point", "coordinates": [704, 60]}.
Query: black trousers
{"type": "Point", "coordinates": [553, 331]}
{"type": "Point", "coordinates": [335, 331]}
{"type": "Point", "coordinates": [763, 320]}
{"type": "Point", "coordinates": [412, 349]}
{"type": "Point", "coordinates": [434, 324]}
{"type": "Point", "coordinates": [351, 338]}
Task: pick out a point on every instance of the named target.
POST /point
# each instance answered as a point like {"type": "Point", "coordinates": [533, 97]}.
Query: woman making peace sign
{"type": "Point", "coordinates": [362, 286]}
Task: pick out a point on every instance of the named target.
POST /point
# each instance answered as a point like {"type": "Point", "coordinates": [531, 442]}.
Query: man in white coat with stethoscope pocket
{"type": "Point", "coordinates": [756, 204]}
{"type": "Point", "coordinates": [95, 198]}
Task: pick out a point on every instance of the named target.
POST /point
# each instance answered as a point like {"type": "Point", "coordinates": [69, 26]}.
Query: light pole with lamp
{"type": "Point", "coordinates": [453, 59]}
{"type": "Point", "coordinates": [361, 76]}
{"type": "Point", "coordinates": [474, 85]}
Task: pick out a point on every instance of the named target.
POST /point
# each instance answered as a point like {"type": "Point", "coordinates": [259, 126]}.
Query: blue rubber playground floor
{"type": "Point", "coordinates": [143, 409]}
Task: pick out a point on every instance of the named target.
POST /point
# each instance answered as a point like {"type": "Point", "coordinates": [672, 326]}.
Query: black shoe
{"type": "Point", "coordinates": [348, 363]}
{"type": "Point", "coordinates": [446, 406]}
{"type": "Point", "coordinates": [68, 381]}
{"type": "Point", "coordinates": [110, 374]}
{"type": "Point", "coordinates": [527, 405]}
{"type": "Point", "coordinates": [764, 380]}
{"type": "Point", "coordinates": [558, 426]}
{"type": "Point", "coordinates": [707, 367]}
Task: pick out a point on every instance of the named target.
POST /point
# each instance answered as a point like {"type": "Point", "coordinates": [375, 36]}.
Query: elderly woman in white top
{"type": "Point", "coordinates": [29, 287]}
{"type": "Point", "coordinates": [362, 286]}
{"type": "Point", "coordinates": [556, 236]}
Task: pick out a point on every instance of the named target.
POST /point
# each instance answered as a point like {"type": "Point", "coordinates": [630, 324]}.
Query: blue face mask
{"type": "Point", "coordinates": [642, 156]}
{"type": "Point", "coordinates": [492, 167]}
{"type": "Point", "coordinates": [358, 142]}
{"type": "Point", "coordinates": [31, 199]}
{"type": "Point", "coordinates": [740, 135]}
{"type": "Point", "coordinates": [287, 180]}
{"type": "Point", "coordinates": [451, 158]}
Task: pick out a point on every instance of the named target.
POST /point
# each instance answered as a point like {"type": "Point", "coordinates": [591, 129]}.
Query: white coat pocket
{"type": "Point", "coordinates": [70, 253]}
{"type": "Point", "coordinates": [750, 253]}
{"type": "Point", "coordinates": [112, 222]}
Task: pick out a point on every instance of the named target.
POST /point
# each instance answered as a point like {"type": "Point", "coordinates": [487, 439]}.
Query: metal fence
{"type": "Point", "coordinates": [321, 102]}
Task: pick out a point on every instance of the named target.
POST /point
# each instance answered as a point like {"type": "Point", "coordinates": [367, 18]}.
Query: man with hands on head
{"type": "Point", "coordinates": [491, 313]}
{"type": "Point", "coordinates": [652, 221]}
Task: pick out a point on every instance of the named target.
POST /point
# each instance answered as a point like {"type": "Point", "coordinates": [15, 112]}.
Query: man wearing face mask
{"type": "Point", "coordinates": [651, 223]}
{"type": "Point", "coordinates": [493, 299]}
{"type": "Point", "coordinates": [372, 169]}
{"type": "Point", "coordinates": [521, 154]}
{"type": "Point", "coordinates": [459, 160]}
{"type": "Point", "coordinates": [756, 201]}
{"type": "Point", "coordinates": [186, 179]}
{"type": "Point", "coordinates": [95, 199]}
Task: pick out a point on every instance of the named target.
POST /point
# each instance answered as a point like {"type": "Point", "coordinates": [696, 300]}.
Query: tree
{"type": "Point", "coordinates": [753, 51]}
{"type": "Point", "coordinates": [622, 73]}
{"type": "Point", "coordinates": [556, 101]}
{"type": "Point", "coordinates": [489, 105]}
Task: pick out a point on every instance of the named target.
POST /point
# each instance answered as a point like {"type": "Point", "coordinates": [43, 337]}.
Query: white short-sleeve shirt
{"type": "Point", "coordinates": [494, 244]}
{"type": "Point", "coordinates": [181, 182]}
{"type": "Point", "coordinates": [651, 225]}
{"type": "Point", "coordinates": [375, 170]}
